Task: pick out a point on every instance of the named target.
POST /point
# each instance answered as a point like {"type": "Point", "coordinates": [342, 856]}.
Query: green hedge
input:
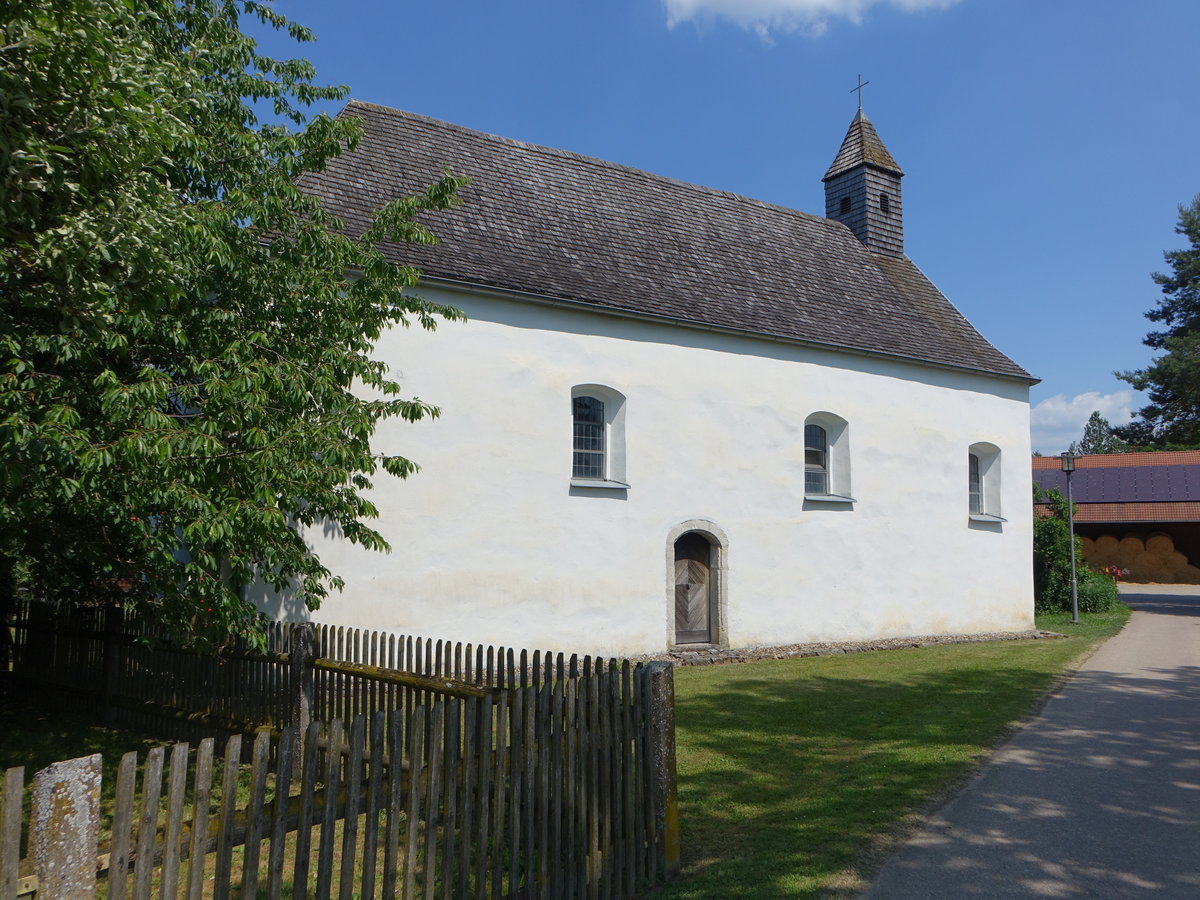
{"type": "Point", "coordinates": [1052, 548]}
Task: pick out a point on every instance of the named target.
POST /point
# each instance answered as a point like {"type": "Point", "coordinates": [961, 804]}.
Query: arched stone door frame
{"type": "Point", "coordinates": [718, 571]}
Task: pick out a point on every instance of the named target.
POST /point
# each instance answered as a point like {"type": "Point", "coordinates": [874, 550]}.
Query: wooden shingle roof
{"type": "Point", "coordinates": [861, 146]}
{"type": "Point", "coordinates": [550, 223]}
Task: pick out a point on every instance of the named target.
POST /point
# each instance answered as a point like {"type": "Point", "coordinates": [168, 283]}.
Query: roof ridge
{"type": "Point", "coordinates": [594, 160]}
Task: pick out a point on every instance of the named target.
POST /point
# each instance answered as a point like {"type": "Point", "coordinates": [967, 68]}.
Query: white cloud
{"type": "Point", "coordinates": [1059, 420]}
{"type": "Point", "coordinates": [810, 17]}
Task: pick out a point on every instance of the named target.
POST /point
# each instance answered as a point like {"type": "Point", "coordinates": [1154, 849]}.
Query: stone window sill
{"type": "Point", "coordinates": [598, 484]}
{"type": "Point", "coordinates": [828, 498]}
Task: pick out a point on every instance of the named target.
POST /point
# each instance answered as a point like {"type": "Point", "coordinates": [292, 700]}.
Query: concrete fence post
{"type": "Point", "coordinates": [300, 655]}
{"type": "Point", "coordinates": [64, 827]}
{"type": "Point", "coordinates": [665, 789]}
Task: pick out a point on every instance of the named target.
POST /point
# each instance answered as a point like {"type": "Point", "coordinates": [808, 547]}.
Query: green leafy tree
{"type": "Point", "coordinates": [1172, 418]}
{"type": "Point", "coordinates": [186, 370]}
{"type": "Point", "coordinates": [1053, 545]}
{"type": "Point", "coordinates": [1098, 437]}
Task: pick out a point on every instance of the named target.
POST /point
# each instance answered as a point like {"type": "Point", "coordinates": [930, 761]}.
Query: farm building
{"type": "Point", "coordinates": [1135, 511]}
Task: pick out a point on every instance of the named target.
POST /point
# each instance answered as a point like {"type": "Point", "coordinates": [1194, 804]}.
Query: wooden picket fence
{"type": "Point", "coordinates": [518, 775]}
{"type": "Point", "coordinates": [475, 810]}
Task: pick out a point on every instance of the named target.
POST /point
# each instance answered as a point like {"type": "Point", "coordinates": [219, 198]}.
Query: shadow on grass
{"type": "Point", "coordinates": [788, 771]}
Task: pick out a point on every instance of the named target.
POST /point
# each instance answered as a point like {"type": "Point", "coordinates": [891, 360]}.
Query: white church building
{"type": "Point", "coordinates": [677, 416]}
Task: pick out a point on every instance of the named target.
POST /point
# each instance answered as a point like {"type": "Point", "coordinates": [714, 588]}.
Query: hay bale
{"type": "Point", "coordinates": [1142, 566]}
{"type": "Point", "coordinates": [1086, 547]}
{"type": "Point", "coordinates": [1131, 545]}
{"type": "Point", "coordinates": [1173, 563]}
{"type": "Point", "coordinates": [1107, 544]}
{"type": "Point", "coordinates": [1189, 574]}
{"type": "Point", "coordinates": [1160, 543]}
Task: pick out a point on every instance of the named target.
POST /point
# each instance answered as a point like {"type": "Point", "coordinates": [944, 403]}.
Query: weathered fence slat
{"type": "Point", "coordinates": [10, 830]}
{"type": "Point", "coordinates": [173, 832]}
{"type": "Point", "coordinates": [201, 792]}
{"type": "Point", "coordinates": [354, 766]}
{"type": "Point", "coordinates": [286, 761]}
{"type": "Point", "coordinates": [254, 823]}
{"type": "Point", "coordinates": [416, 765]}
{"type": "Point", "coordinates": [373, 806]}
{"type": "Point", "coordinates": [482, 763]}
{"type": "Point", "coordinates": [309, 771]}
{"type": "Point", "coordinates": [333, 778]}
{"type": "Point", "coordinates": [450, 800]}
{"type": "Point", "coordinates": [516, 794]}
{"type": "Point", "coordinates": [122, 827]}
{"type": "Point", "coordinates": [499, 777]}
{"type": "Point", "coordinates": [148, 824]}
{"type": "Point", "coordinates": [395, 813]}
{"type": "Point", "coordinates": [433, 795]}
{"type": "Point", "coordinates": [471, 750]}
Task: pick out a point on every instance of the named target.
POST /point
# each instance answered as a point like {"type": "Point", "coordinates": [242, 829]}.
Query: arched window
{"type": "Point", "coordinates": [816, 460]}
{"type": "Point", "coordinates": [597, 437]}
{"type": "Point", "coordinates": [587, 414]}
{"type": "Point", "coordinates": [827, 458]}
{"type": "Point", "coordinates": [983, 482]}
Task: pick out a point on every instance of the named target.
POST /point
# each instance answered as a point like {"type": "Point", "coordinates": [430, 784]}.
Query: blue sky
{"type": "Point", "coordinates": [1046, 143]}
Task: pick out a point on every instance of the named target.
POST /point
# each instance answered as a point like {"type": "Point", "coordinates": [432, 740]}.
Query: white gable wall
{"type": "Point", "coordinates": [492, 545]}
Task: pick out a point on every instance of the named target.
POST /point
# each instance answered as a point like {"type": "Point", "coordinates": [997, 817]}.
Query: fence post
{"type": "Point", "coordinates": [300, 654]}
{"type": "Point", "coordinates": [64, 827]}
{"type": "Point", "coordinates": [660, 716]}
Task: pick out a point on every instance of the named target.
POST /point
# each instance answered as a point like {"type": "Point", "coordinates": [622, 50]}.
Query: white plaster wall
{"type": "Point", "coordinates": [491, 545]}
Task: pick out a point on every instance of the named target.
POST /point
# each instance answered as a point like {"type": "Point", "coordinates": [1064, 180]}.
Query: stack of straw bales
{"type": "Point", "coordinates": [1150, 559]}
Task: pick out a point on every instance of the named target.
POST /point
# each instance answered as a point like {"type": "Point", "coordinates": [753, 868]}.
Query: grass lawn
{"type": "Point", "coordinates": [794, 774]}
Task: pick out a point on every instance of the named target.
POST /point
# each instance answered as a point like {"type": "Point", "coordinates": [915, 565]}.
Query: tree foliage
{"type": "Point", "coordinates": [185, 359]}
{"type": "Point", "coordinates": [1053, 545]}
{"type": "Point", "coordinates": [1172, 418]}
{"type": "Point", "coordinates": [1098, 437]}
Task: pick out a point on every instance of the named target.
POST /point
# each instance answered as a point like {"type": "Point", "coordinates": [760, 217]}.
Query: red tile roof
{"type": "Point", "coordinates": [1113, 460]}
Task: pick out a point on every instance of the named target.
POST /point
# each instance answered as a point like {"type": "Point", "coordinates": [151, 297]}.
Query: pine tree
{"type": "Point", "coordinates": [1098, 437]}
{"type": "Point", "coordinates": [1172, 418]}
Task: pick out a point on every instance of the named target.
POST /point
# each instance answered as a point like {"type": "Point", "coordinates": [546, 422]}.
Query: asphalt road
{"type": "Point", "coordinates": [1099, 796]}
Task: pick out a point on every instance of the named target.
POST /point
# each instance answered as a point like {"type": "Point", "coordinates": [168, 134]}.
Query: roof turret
{"type": "Point", "coordinates": [862, 146]}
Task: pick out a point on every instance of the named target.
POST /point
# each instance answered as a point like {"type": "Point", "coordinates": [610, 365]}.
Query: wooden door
{"type": "Point", "coordinates": [693, 590]}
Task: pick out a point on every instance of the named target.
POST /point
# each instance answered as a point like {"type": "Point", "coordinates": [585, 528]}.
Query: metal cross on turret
{"type": "Point", "coordinates": [861, 84]}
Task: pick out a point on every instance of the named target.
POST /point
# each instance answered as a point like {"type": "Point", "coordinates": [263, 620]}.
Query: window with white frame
{"type": "Point", "coordinates": [597, 437]}
{"type": "Point", "coordinates": [587, 415]}
{"type": "Point", "coordinates": [827, 458]}
{"type": "Point", "coordinates": [816, 460]}
{"type": "Point", "coordinates": [983, 482]}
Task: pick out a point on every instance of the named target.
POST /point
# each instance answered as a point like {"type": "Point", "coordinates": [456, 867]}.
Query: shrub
{"type": "Point", "coordinates": [1052, 548]}
{"type": "Point", "coordinates": [1097, 591]}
